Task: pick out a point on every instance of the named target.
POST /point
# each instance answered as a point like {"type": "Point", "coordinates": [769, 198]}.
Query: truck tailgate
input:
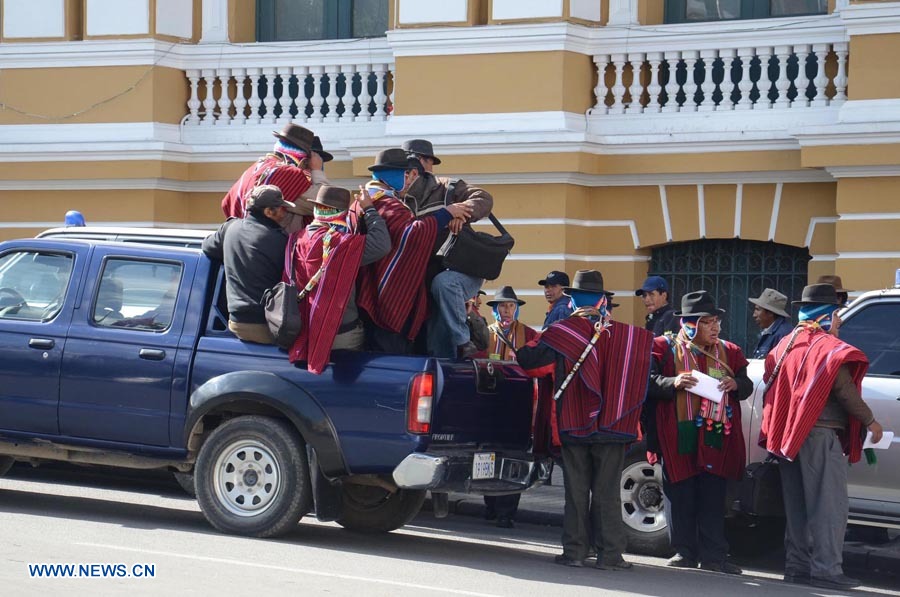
{"type": "Point", "coordinates": [483, 402]}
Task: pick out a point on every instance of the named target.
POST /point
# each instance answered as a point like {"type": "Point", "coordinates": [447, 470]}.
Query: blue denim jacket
{"type": "Point", "coordinates": [771, 336]}
{"type": "Point", "coordinates": [561, 309]}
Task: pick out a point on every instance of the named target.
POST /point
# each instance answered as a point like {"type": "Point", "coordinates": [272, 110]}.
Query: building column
{"type": "Point", "coordinates": [623, 12]}
{"type": "Point", "coordinates": [214, 21]}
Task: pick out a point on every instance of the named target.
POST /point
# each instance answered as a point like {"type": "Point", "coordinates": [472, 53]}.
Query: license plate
{"type": "Point", "coordinates": [483, 465]}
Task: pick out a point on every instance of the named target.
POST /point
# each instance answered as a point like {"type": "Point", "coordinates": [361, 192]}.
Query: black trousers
{"type": "Point", "coordinates": [696, 513]}
{"type": "Point", "coordinates": [503, 506]}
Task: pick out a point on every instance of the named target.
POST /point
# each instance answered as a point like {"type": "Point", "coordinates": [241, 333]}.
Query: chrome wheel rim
{"type": "Point", "coordinates": [643, 506]}
{"type": "Point", "coordinates": [246, 478]}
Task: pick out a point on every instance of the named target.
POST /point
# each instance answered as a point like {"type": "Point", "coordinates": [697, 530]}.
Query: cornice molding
{"type": "Point", "coordinates": [871, 19]}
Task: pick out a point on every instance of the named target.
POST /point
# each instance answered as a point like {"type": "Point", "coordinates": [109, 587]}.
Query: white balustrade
{"type": "Point", "coordinates": [266, 94]}
{"type": "Point", "coordinates": [761, 78]}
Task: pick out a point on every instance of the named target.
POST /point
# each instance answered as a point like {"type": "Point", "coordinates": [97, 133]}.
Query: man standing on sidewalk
{"type": "Point", "coordinates": [601, 370]}
{"type": "Point", "coordinates": [813, 420]}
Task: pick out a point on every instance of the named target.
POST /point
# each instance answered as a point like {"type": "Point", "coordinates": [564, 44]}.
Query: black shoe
{"type": "Point", "coordinates": [620, 564]}
{"type": "Point", "coordinates": [592, 554]}
{"type": "Point", "coordinates": [505, 522]}
{"type": "Point", "coordinates": [490, 515]}
{"type": "Point", "coordinates": [723, 567]}
{"type": "Point", "coordinates": [796, 577]}
{"type": "Point", "coordinates": [679, 561]}
{"type": "Point", "coordinates": [838, 581]}
{"type": "Point", "coordinates": [564, 560]}
{"type": "Point", "coordinates": [465, 351]}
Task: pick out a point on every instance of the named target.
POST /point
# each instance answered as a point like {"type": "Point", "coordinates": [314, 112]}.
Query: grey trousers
{"type": "Point", "coordinates": [816, 505]}
{"type": "Point", "coordinates": [593, 502]}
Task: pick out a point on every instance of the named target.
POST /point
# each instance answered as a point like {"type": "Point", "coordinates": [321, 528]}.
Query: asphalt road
{"type": "Point", "coordinates": [82, 517]}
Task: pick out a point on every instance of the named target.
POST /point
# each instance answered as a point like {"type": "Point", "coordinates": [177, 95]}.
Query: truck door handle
{"type": "Point", "coordinates": [152, 354]}
{"type": "Point", "coordinates": [41, 343]}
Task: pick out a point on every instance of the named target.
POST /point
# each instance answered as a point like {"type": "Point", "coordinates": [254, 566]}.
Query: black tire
{"type": "Point", "coordinates": [6, 463]}
{"type": "Point", "coordinates": [252, 477]}
{"type": "Point", "coordinates": [186, 481]}
{"type": "Point", "coordinates": [643, 506]}
{"type": "Point", "coordinates": [371, 509]}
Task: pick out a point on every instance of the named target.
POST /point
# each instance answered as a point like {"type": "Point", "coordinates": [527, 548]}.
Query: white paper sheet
{"type": "Point", "coordinates": [884, 444]}
{"type": "Point", "coordinates": [707, 387]}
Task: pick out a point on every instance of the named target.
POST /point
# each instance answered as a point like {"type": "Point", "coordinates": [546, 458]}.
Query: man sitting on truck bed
{"type": "Point", "coordinates": [252, 250]}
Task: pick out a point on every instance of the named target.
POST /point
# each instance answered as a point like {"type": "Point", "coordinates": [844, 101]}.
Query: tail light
{"type": "Point", "coordinates": [420, 403]}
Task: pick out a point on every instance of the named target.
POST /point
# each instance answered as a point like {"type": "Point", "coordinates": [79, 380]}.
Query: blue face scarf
{"type": "Point", "coordinates": [590, 300]}
{"type": "Point", "coordinates": [689, 325]}
{"type": "Point", "coordinates": [393, 178]}
{"type": "Point", "coordinates": [820, 314]}
{"type": "Point", "coordinates": [496, 310]}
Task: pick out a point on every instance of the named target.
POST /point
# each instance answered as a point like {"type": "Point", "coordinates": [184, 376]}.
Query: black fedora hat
{"type": "Point", "coordinates": [421, 147]}
{"type": "Point", "coordinates": [317, 147]}
{"type": "Point", "coordinates": [333, 197]}
{"type": "Point", "coordinates": [588, 280]}
{"type": "Point", "coordinates": [698, 304]}
{"type": "Point", "coordinates": [393, 159]}
{"type": "Point", "coordinates": [818, 294]}
{"type": "Point", "coordinates": [297, 136]}
{"type": "Point", "coordinates": [505, 295]}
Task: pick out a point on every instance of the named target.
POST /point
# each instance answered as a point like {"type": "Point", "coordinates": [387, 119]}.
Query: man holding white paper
{"type": "Point", "coordinates": [813, 421]}
{"type": "Point", "coordinates": [696, 382]}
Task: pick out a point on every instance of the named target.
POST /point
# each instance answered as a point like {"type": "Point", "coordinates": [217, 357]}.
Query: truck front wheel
{"type": "Point", "coordinates": [373, 509]}
{"type": "Point", "coordinates": [252, 477]}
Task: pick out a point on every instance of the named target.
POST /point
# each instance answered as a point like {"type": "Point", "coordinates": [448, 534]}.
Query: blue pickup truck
{"type": "Point", "coordinates": [118, 353]}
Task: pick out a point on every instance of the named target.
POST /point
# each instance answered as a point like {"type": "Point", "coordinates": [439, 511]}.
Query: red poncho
{"type": "Point", "coordinates": [323, 308]}
{"type": "Point", "coordinates": [392, 289]}
{"type": "Point", "coordinates": [292, 180]}
{"type": "Point", "coordinates": [797, 396]}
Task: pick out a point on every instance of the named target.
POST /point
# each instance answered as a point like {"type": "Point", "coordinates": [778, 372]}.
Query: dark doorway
{"type": "Point", "coordinates": [732, 270]}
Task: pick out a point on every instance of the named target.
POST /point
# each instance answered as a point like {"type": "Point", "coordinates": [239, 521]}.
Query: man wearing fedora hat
{"type": "Point", "coordinates": [422, 150]}
{"type": "Point", "coordinates": [814, 419]}
{"type": "Point", "coordinates": [843, 294]}
{"type": "Point", "coordinates": [393, 293]}
{"type": "Point", "coordinates": [699, 438]}
{"type": "Point", "coordinates": [295, 166]}
{"type": "Point", "coordinates": [507, 335]}
{"type": "Point", "coordinates": [600, 370]}
{"type": "Point", "coordinates": [770, 314]}
{"type": "Point", "coordinates": [252, 250]}
{"type": "Point", "coordinates": [327, 260]}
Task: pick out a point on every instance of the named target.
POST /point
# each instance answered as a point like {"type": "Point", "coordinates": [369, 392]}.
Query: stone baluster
{"type": "Point", "coordinates": [745, 85]}
{"type": "Point", "coordinates": [347, 99]}
{"type": "Point", "coordinates": [801, 83]}
{"type": "Point", "coordinates": [783, 84]}
{"type": "Point", "coordinates": [224, 103]}
{"type": "Point", "coordinates": [671, 86]}
{"type": "Point", "coordinates": [765, 82]}
{"type": "Point", "coordinates": [618, 89]}
{"type": "Point", "coordinates": [708, 86]}
{"type": "Point", "coordinates": [636, 89]}
{"type": "Point", "coordinates": [193, 104]}
{"type": "Point", "coordinates": [317, 99]}
{"type": "Point", "coordinates": [332, 100]}
{"type": "Point", "coordinates": [728, 84]}
{"type": "Point", "coordinates": [255, 102]}
{"type": "Point", "coordinates": [653, 86]}
{"type": "Point", "coordinates": [690, 85]}
{"type": "Point", "coordinates": [600, 62]}
{"type": "Point", "coordinates": [300, 102]}
{"type": "Point", "coordinates": [821, 79]}
{"type": "Point", "coordinates": [209, 102]}
{"type": "Point", "coordinates": [392, 69]}
{"type": "Point", "coordinates": [240, 101]}
{"type": "Point", "coordinates": [364, 96]}
{"type": "Point", "coordinates": [380, 71]}
{"type": "Point", "coordinates": [840, 78]}
{"type": "Point", "coordinates": [284, 100]}
{"type": "Point", "coordinates": [269, 101]}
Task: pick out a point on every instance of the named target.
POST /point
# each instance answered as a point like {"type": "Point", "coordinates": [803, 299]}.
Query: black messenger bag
{"type": "Point", "coordinates": [477, 254]}
{"type": "Point", "coordinates": [281, 304]}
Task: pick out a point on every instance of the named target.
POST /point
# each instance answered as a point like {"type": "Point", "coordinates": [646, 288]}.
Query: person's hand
{"type": "Point", "coordinates": [314, 161]}
{"type": "Point", "coordinates": [363, 199]}
{"type": "Point", "coordinates": [685, 381]}
{"type": "Point", "coordinates": [877, 431]}
{"type": "Point", "coordinates": [727, 384]}
{"type": "Point", "coordinates": [460, 211]}
{"type": "Point", "coordinates": [456, 225]}
{"type": "Point", "coordinates": [836, 322]}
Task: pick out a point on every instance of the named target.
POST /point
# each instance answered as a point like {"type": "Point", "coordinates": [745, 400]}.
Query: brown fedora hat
{"type": "Point", "coordinates": [333, 197]}
{"type": "Point", "coordinates": [505, 295]}
{"type": "Point", "coordinates": [421, 147]}
{"type": "Point", "coordinates": [818, 294]}
{"type": "Point", "coordinates": [698, 304]}
{"type": "Point", "coordinates": [588, 280]}
{"type": "Point", "coordinates": [319, 149]}
{"type": "Point", "coordinates": [834, 281]}
{"type": "Point", "coordinates": [393, 159]}
{"type": "Point", "coordinates": [297, 136]}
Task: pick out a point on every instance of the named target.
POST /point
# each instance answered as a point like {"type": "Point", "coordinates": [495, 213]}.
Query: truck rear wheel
{"type": "Point", "coordinates": [252, 477]}
{"type": "Point", "coordinates": [373, 509]}
{"type": "Point", "coordinates": [643, 505]}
